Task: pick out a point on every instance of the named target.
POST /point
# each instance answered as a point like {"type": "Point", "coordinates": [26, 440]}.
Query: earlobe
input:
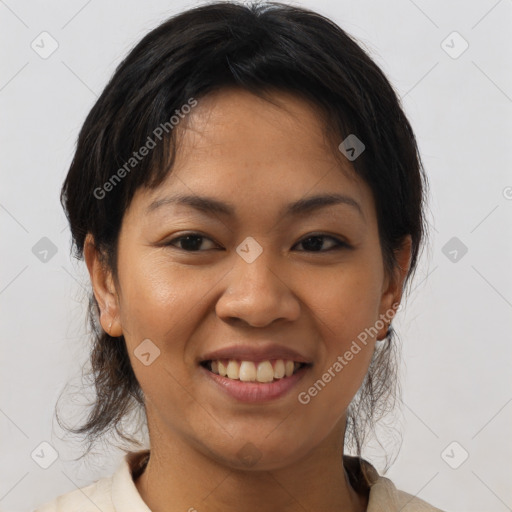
{"type": "Point", "coordinates": [103, 288]}
{"type": "Point", "coordinates": [392, 295]}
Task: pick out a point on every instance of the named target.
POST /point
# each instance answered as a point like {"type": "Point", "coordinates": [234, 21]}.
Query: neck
{"type": "Point", "coordinates": [180, 477]}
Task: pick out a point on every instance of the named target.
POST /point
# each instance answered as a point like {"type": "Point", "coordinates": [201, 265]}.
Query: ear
{"type": "Point", "coordinates": [393, 285]}
{"type": "Point", "coordinates": [104, 289]}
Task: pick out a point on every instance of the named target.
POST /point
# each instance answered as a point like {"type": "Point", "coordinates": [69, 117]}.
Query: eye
{"type": "Point", "coordinates": [314, 243]}
{"type": "Point", "coordinates": [190, 242]}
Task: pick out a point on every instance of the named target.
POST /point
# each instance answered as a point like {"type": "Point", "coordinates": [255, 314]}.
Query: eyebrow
{"type": "Point", "coordinates": [300, 207]}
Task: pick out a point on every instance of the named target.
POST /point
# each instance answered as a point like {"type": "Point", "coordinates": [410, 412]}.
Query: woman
{"type": "Point", "coordinates": [249, 200]}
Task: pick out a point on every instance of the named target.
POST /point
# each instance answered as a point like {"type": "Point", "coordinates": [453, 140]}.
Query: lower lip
{"type": "Point", "coordinates": [253, 392]}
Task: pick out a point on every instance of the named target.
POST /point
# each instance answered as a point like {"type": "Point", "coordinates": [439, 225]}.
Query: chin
{"type": "Point", "coordinates": [257, 454]}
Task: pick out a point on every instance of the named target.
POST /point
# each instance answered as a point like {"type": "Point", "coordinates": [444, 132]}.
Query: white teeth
{"type": "Point", "coordinates": [233, 369]}
{"type": "Point", "coordinates": [289, 368]}
{"type": "Point", "coordinates": [249, 371]}
{"type": "Point", "coordinates": [265, 372]}
{"type": "Point", "coordinates": [221, 369]}
{"type": "Point", "coordinates": [279, 370]}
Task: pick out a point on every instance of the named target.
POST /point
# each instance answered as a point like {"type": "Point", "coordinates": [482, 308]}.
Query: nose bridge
{"type": "Point", "coordinates": [255, 291]}
{"type": "Point", "coordinates": [255, 271]}
{"type": "Point", "coordinates": [259, 271]}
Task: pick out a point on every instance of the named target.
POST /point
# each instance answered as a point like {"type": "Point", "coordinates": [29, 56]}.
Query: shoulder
{"type": "Point", "coordinates": [382, 494]}
{"type": "Point", "coordinates": [385, 497]}
{"type": "Point", "coordinates": [108, 494]}
{"type": "Point", "coordinates": [94, 497]}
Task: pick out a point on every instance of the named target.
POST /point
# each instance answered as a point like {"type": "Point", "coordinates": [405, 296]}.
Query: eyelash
{"type": "Point", "coordinates": [340, 244]}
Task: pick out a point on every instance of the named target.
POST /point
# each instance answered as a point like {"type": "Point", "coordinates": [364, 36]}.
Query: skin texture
{"type": "Point", "coordinates": [259, 157]}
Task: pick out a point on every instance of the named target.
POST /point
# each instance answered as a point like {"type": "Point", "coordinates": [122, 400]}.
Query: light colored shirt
{"type": "Point", "coordinates": [118, 493]}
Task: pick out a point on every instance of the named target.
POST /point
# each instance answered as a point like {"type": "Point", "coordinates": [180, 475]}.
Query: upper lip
{"type": "Point", "coordinates": [255, 353]}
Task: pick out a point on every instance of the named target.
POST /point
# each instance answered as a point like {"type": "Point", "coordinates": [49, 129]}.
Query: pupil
{"type": "Point", "coordinates": [315, 245]}
{"type": "Point", "coordinates": [191, 246]}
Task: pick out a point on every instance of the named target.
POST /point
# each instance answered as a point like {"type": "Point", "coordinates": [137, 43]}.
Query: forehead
{"type": "Point", "coordinates": [235, 124]}
{"type": "Point", "coordinates": [241, 148]}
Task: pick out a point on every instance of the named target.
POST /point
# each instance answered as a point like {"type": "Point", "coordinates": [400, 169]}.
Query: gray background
{"type": "Point", "coordinates": [455, 325]}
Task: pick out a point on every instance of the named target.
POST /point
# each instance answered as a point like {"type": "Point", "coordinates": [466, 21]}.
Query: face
{"type": "Point", "coordinates": [262, 281]}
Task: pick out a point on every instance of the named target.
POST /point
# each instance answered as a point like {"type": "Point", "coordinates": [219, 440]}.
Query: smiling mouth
{"type": "Point", "coordinates": [252, 371]}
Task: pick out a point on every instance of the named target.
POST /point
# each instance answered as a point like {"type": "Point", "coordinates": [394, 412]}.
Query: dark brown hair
{"type": "Point", "coordinates": [261, 47]}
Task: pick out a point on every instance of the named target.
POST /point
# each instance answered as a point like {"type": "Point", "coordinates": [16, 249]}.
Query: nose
{"type": "Point", "coordinates": [258, 294]}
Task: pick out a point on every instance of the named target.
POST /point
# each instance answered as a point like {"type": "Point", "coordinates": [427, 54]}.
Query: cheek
{"type": "Point", "coordinates": [161, 302]}
{"type": "Point", "coordinates": [158, 295]}
{"type": "Point", "coordinates": [345, 306]}
{"type": "Point", "coordinates": [343, 301]}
